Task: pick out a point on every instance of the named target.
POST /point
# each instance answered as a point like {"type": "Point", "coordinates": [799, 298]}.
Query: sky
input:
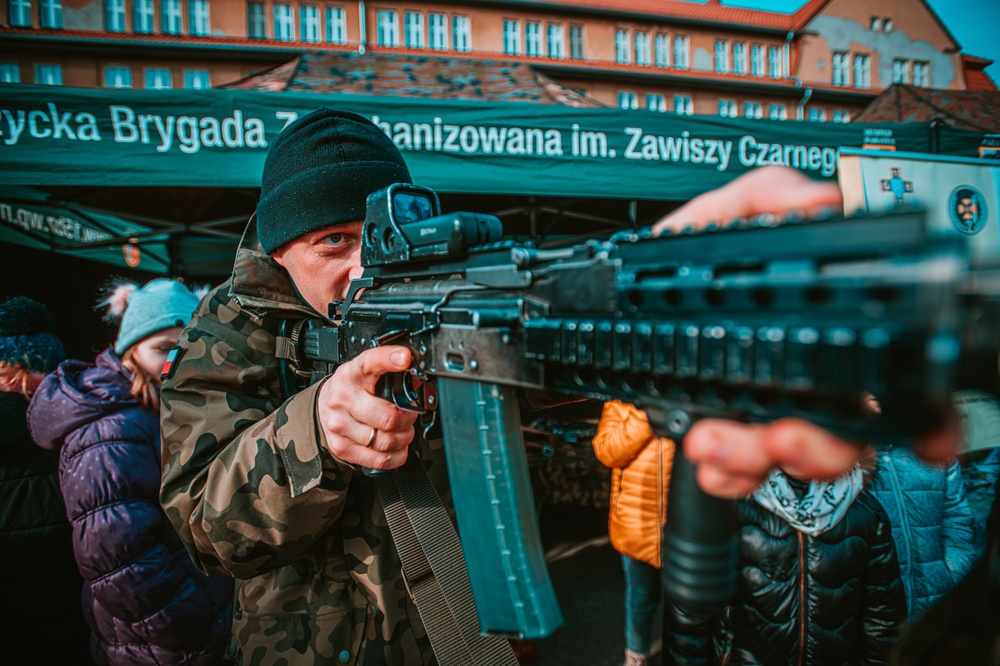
{"type": "Point", "coordinates": [972, 22]}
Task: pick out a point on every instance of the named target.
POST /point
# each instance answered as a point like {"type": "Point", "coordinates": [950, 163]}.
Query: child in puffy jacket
{"type": "Point", "coordinates": [641, 464]}
{"type": "Point", "coordinates": [143, 598]}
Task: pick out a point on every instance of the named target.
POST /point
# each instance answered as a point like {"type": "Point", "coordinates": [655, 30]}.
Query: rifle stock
{"type": "Point", "coordinates": [754, 322]}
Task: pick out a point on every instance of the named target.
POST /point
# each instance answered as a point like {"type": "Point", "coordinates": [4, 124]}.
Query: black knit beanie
{"type": "Point", "coordinates": [319, 172]}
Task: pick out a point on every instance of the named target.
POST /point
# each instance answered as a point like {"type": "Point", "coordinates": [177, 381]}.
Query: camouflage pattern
{"type": "Point", "coordinates": [561, 463]}
{"type": "Point", "coordinates": [255, 494]}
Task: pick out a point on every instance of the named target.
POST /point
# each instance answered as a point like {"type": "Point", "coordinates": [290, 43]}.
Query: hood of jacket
{"type": "Point", "coordinates": [258, 283]}
{"type": "Point", "coordinates": [75, 394]}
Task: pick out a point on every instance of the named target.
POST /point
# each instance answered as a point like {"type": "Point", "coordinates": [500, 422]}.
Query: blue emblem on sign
{"type": "Point", "coordinates": [967, 209]}
{"type": "Point", "coordinates": [896, 185]}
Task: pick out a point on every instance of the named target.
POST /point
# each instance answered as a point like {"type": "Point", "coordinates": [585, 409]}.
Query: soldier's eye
{"type": "Point", "coordinates": [334, 239]}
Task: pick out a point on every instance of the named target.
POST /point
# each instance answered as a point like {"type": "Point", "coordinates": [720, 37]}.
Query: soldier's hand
{"type": "Point", "coordinates": [734, 458]}
{"type": "Point", "coordinates": [360, 427]}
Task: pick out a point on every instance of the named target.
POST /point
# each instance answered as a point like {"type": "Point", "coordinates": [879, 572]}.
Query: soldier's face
{"type": "Point", "coordinates": [323, 263]}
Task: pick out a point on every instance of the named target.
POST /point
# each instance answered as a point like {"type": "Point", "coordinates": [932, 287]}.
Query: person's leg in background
{"type": "Point", "coordinates": [643, 592]}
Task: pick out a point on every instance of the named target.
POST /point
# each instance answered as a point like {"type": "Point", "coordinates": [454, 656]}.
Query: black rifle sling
{"type": "Point", "coordinates": [431, 554]}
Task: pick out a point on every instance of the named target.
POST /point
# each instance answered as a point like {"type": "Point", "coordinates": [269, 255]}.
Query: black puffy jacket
{"type": "Point", "coordinates": [835, 598]}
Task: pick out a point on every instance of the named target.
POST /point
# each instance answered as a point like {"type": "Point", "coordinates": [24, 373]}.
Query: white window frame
{"type": "Point", "coordinates": [512, 37]}
{"type": "Point", "coordinates": [623, 47]}
{"type": "Point", "coordinates": [387, 21]}
{"type": "Point", "coordinates": [728, 108]}
{"type": "Point", "coordinates": [48, 75]}
{"type": "Point", "coordinates": [774, 62]}
{"type": "Point", "coordinates": [642, 55]}
{"type": "Point", "coordinates": [19, 13]}
{"type": "Point", "coordinates": [309, 24]}
{"type": "Point", "coordinates": [554, 42]}
{"type": "Point", "coordinates": [533, 39]}
{"type": "Point", "coordinates": [740, 58]}
{"type": "Point", "coordinates": [656, 102]}
{"type": "Point", "coordinates": [661, 47]}
{"type": "Point", "coordinates": [777, 112]}
{"type": "Point", "coordinates": [817, 115]}
{"type": "Point", "coordinates": [753, 110]}
{"type": "Point", "coordinates": [576, 41]}
{"type": "Point", "coordinates": [900, 70]}
{"type": "Point", "coordinates": [722, 56]}
{"type": "Point", "coordinates": [256, 20]}
{"type": "Point", "coordinates": [171, 17]}
{"type": "Point", "coordinates": [683, 105]}
{"type": "Point", "coordinates": [461, 33]}
{"type": "Point", "coordinates": [200, 79]}
{"type": "Point", "coordinates": [627, 99]}
{"type": "Point", "coordinates": [682, 51]}
{"type": "Point", "coordinates": [757, 60]}
{"type": "Point", "coordinates": [841, 68]}
{"type": "Point", "coordinates": [437, 31]}
{"type": "Point", "coordinates": [114, 15]}
{"type": "Point", "coordinates": [413, 30]}
{"type": "Point", "coordinates": [336, 25]}
{"type": "Point", "coordinates": [143, 16]}
{"type": "Point", "coordinates": [921, 73]}
{"type": "Point", "coordinates": [10, 72]}
{"type": "Point", "coordinates": [201, 24]}
{"type": "Point", "coordinates": [862, 70]}
{"type": "Point", "coordinates": [117, 76]}
{"type": "Point", "coordinates": [50, 14]}
{"type": "Point", "coordinates": [841, 116]}
{"type": "Point", "coordinates": [284, 23]}
{"type": "Point", "coordinates": [162, 78]}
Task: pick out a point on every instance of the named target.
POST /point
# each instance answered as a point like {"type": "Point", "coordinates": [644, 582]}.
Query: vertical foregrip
{"type": "Point", "coordinates": [700, 548]}
{"type": "Point", "coordinates": [491, 490]}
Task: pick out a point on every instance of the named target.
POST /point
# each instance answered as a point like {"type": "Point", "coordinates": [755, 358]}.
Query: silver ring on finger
{"type": "Point", "coordinates": [371, 438]}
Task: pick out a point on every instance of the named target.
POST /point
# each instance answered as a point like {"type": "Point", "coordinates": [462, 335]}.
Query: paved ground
{"type": "Point", "coordinates": [587, 575]}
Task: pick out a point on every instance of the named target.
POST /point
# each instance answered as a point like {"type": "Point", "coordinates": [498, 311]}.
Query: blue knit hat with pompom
{"type": "Point", "coordinates": [25, 339]}
{"type": "Point", "coordinates": [160, 304]}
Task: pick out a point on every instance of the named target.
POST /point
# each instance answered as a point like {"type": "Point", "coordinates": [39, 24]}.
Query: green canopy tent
{"type": "Point", "coordinates": [144, 155]}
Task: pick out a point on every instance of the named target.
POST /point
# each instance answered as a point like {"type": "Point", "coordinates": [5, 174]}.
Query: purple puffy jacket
{"type": "Point", "coordinates": [145, 601]}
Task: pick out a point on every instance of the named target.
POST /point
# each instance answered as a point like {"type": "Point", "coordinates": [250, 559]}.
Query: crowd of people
{"type": "Point", "coordinates": [172, 496]}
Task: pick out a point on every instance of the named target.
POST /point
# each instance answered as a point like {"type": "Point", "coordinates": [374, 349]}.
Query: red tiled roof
{"type": "Point", "coordinates": [415, 75]}
{"type": "Point", "coordinates": [975, 110]}
{"type": "Point", "coordinates": [976, 77]}
{"type": "Point", "coordinates": [709, 12]}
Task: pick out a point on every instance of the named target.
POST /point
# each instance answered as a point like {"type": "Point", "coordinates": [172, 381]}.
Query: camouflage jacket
{"type": "Point", "coordinates": [254, 493]}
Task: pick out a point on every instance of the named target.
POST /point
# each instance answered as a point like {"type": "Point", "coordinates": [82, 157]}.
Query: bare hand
{"type": "Point", "coordinates": [734, 458]}
{"type": "Point", "coordinates": [361, 428]}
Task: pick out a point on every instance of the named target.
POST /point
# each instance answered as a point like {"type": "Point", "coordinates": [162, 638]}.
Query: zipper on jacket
{"type": "Point", "coordinates": [661, 498]}
{"type": "Point", "coordinates": [802, 598]}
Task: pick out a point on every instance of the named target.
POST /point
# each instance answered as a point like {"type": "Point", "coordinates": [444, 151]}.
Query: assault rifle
{"type": "Point", "coordinates": [752, 321]}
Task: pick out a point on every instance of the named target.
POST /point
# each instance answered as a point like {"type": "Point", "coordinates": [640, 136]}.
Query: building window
{"type": "Point", "coordinates": [414, 35]}
{"type": "Point", "coordinates": [142, 21]}
{"type": "Point", "coordinates": [753, 110]}
{"type": "Point", "coordinates": [841, 116]}
{"type": "Point", "coordinates": [19, 12]}
{"type": "Point", "coordinates": [555, 40]}
{"type": "Point", "coordinates": [887, 25]}
{"type": "Point", "coordinates": [198, 79]}
{"type": "Point", "coordinates": [681, 51]}
{"type": "Point", "coordinates": [437, 27]}
{"type": "Point", "coordinates": [774, 62]}
{"type": "Point", "coordinates": [656, 102]}
{"type": "Point", "coordinates": [627, 100]}
{"type": "Point", "coordinates": [51, 15]}
{"type": "Point", "coordinates": [876, 24]}
{"type": "Point", "coordinates": [862, 73]}
{"type": "Point", "coordinates": [662, 48]}
{"type": "Point", "coordinates": [533, 39]}
{"type": "Point", "coordinates": [757, 60]}
{"type": "Point", "coordinates": [199, 18]}
{"type": "Point", "coordinates": [683, 105]}
{"type": "Point", "coordinates": [921, 73]}
{"type": "Point", "coordinates": [388, 28]}
{"type": "Point", "coordinates": [117, 77]}
{"type": "Point", "coordinates": [114, 15]}
{"type": "Point", "coordinates": [841, 69]}
{"type": "Point", "coordinates": [171, 21]}
{"type": "Point", "coordinates": [642, 49]}
{"type": "Point", "coordinates": [740, 58]}
{"type": "Point", "coordinates": [284, 23]}
{"type": "Point", "coordinates": [576, 42]}
{"type": "Point", "coordinates": [308, 23]}
{"type": "Point", "coordinates": [461, 33]}
{"type": "Point", "coordinates": [721, 56]}
{"type": "Point", "coordinates": [48, 75]}
{"type": "Point", "coordinates": [336, 25]}
{"type": "Point", "coordinates": [158, 79]}
{"type": "Point", "coordinates": [9, 73]}
{"type": "Point", "coordinates": [256, 21]}
{"type": "Point", "coordinates": [778, 112]}
{"type": "Point", "coordinates": [900, 71]}
{"type": "Point", "coordinates": [622, 42]}
{"type": "Point", "coordinates": [727, 108]}
{"type": "Point", "coordinates": [817, 115]}
{"type": "Point", "coordinates": [511, 37]}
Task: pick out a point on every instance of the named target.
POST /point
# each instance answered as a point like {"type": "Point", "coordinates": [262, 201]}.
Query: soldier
{"type": "Point", "coordinates": [265, 487]}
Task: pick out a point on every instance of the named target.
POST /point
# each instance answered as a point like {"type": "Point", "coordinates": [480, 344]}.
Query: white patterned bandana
{"type": "Point", "coordinates": [822, 507]}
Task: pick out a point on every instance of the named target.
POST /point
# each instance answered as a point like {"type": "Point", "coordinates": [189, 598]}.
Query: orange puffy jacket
{"type": "Point", "coordinates": [640, 463]}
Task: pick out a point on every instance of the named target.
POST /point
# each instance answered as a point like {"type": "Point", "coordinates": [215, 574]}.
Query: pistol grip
{"type": "Point", "coordinates": [700, 547]}
{"type": "Point", "coordinates": [497, 524]}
